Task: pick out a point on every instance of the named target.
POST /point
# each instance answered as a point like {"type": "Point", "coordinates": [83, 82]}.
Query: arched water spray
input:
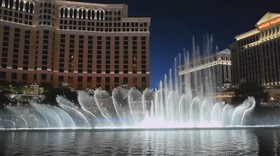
{"type": "Point", "coordinates": [52, 117]}
{"type": "Point", "coordinates": [73, 112]}
{"type": "Point", "coordinates": [9, 121]}
{"type": "Point", "coordinates": [252, 103]}
{"type": "Point", "coordinates": [194, 111]}
{"type": "Point", "coordinates": [64, 117]}
{"type": "Point", "coordinates": [77, 114]}
{"type": "Point", "coordinates": [238, 113]}
{"type": "Point", "coordinates": [204, 113]}
{"type": "Point", "coordinates": [41, 113]}
{"type": "Point", "coordinates": [136, 108]}
{"type": "Point", "coordinates": [35, 118]}
{"type": "Point", "coordinates": [115, 105]}
{"type": "Point", "coordinates": [131, 110]}
{"type": "Point", "coordinates": [102, 99]}
{"type": "Point", "coordinates": [86, 102]}
{"type": "Point", "coordinates": [16, 112]}
{"type": "Point", "coordinates": [226, 115]}
{"type": "Point", "coordinates": [172, 105]}
{"type": "Point", "coordinates": [120, 102]}
{"type": "Point", "coordinates": [216, 114]}
{"type": "Point", "coordinates": [56, 116]}
{"type": "Point", "coordinates": [147, 100]}
{"type": "Point", "coordinates": [182, 109]}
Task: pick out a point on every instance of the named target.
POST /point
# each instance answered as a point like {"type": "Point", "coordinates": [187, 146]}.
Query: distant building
{"type": "Point", "coordinates": [218, 65]}
{"type": "Point", "coordinates": [256, 53]}
{"type": "Point", "coordinates": [76, 44]}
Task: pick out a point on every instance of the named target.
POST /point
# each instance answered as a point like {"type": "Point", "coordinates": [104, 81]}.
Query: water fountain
{"type": "Point", "coordinates": [172, 105]}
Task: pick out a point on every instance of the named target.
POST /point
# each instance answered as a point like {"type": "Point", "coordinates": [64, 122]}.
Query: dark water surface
{"type": "Point", "coordinates": [169, 142]}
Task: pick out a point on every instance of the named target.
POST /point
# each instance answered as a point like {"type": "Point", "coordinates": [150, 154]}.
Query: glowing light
{"type": "Point", "coordinates": [269, 23]}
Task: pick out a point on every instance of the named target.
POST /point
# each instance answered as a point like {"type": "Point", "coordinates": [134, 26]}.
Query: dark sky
{"type": "Point", "coordinates": [174, 22]}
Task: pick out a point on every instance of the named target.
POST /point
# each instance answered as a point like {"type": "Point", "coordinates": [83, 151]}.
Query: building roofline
{"type": "Point", "coordinates": [247, 34]}
{"type": "Point", "coordinates": [138, 19]}
{"type": "Point", "coordinates": [224, 51]}
{"type": "Point", "coordinates": [76, 3]}
{"type": "Point", "coordinates": [267, 17]}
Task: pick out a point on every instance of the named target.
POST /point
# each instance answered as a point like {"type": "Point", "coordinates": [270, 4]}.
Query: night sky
{"type": "Point", "coordinates": [174, 22]}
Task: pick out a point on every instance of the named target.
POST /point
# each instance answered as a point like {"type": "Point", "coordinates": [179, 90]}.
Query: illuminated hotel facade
{"type": "Point", "coordinates": [218, 65]}
{"type": "Point", "coordinates": [82, 45]}
{"type": "Point", "coordinates": [256, 53]}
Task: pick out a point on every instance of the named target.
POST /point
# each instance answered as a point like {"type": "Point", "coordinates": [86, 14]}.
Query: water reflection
{"type": "Point", "coordinates": [268, 142]}
{"type": "Point", "coordinates": [178, 142]}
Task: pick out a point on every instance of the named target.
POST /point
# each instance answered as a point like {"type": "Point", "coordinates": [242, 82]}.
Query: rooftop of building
{"type": "Point", "coordinates": [89, 4]}
{"type": "Point", "coordinates": [261, 24]}
{"type": "Point", "coordinates": [225, 51]}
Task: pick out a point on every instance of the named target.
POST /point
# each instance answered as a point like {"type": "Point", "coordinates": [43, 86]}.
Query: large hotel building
{"type": "Point", "coordinates": [218, 65]}
{"type": "Point", "coordinates": [256, 53]}
{"type": "Point", "coordinates": [82, 45]}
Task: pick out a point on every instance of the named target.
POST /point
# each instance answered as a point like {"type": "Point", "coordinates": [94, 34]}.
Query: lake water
{"type": "Point", "coordinates": [142, 142]}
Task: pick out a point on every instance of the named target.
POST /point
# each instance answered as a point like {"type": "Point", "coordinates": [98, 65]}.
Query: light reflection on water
{"type": "Point", "coordinates": [177, 142]}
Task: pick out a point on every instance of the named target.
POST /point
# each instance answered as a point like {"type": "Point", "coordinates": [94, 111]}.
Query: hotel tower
{"type": "Point", "coordinates": [78, 44]}
{"type": "Point", "coordinates": [256, 53]}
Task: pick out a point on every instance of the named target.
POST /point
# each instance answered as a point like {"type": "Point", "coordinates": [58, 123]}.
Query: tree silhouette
{"type": "Point", "coordinates": [51, 94]}
{"type": "Point", "coordinates": [3, 99]}
{"type": "Point", "coordinates": [247, 89]}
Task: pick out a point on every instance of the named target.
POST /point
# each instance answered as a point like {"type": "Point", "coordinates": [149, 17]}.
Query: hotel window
{"type": "Point", "coordinates": [24, 76]}
{"type": "Point", "coordinates": [89, 79]}
{"type": "Point", "coordinates": [44, 76]}
{"type": "Point", "coordinates": [80, 78]}
{"type": "Point", "coordinates": [143, 79]}
{"type": "Point", "coordinates": [107, 79]}
{"type": "Point", "coordinates": [14, 76]}
{"type": "Point", "coordinates": [3, 75]}
{"type": "Point", "coordinates": [60, 79]}
{"type": "Point", "coordinates": [98, 79]}
{"type": "Point", "coordinates": [125, 80]}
